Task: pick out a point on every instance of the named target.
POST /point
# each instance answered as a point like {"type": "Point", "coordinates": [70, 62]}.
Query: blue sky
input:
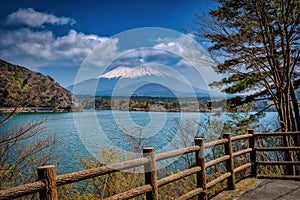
{"type": "Point", "coordinates": [54, 37]}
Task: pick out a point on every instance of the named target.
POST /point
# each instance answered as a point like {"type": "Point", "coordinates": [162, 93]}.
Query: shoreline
{"type": "Point", "coordinates": [4, 110]}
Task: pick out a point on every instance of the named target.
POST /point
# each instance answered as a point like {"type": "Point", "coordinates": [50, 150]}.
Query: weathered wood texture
{"type": "Point", "coordinates": [47, 174]}
{"type": "Point", "coordinates": [218, 180]}
{"type": "Point", "coordinates": [215, 143]}
{"type": "Point", "coordinates": [268, 134]}
{"type": "Point", "coordinates": [131, 193]}
{"type": "Point", "coordinates": [277, 148]}
{"type": "Point", "coordinates": [241, 137]}
{"type": "Point", "coordinates": [278, 162]}
{"type": "Point", "coordinates": [150, 174]}
{"type": "Point", "coordinates": [201, 175]}
{"type": "Point", "coordinates": [243, 167]}
{"type": "Point", "coordinates": [252, 153]}
{"type": "Point", "coordinates": [91, 173]}
{"type": "Point", "coordinates": [22, 190]}
{"type": "Point", "coordinates": [177, 176]}
{"type": "Point", "coordinates": [229, 162]}
{"type": "Point", "coordinates": [48, 181]}
{"type": "Point", "coordinates": [217, 161]}
{"type": "Point", "coordinates": [191, 194]}
{"type": "Point", "coordinates": [242, 152]}
{"type": "Point", "coordinates": [174, 153]}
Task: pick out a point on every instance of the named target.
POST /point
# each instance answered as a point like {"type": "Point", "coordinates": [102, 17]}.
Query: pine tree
{"type": "Point", "coordinates": [257, 46]}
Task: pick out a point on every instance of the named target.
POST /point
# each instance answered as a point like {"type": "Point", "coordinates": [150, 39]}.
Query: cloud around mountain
{"type": "Point", "coordinates": [145, 80]}
{"type": "Point", "coordinates": [37, 44]}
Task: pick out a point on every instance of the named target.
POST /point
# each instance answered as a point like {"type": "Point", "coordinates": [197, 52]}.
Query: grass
{"type": "Point", "coordinates": [242, 188]}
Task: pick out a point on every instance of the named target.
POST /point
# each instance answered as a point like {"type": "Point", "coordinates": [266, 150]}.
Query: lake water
{"type": "Point", "coordinates": [84, 134]}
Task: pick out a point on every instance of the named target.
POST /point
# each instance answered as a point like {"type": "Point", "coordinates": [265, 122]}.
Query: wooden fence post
{"type": "Point", "coordinates": [252, 153]}
{"type": "Point", "coordinates": [48, 175]}
{"type": "Point", "coordinates": [229, 162]}
{"type": "Point", "coordinates": [200, 161]}
{"type": "Point", "coordinates": [150, 173]}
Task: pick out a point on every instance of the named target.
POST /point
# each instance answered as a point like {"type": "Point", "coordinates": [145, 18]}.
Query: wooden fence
{"type": "Point", "coordinates": [48, 181]}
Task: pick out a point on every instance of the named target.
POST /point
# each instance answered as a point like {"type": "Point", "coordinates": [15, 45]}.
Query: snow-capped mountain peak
{"type": "Point", "coordinates": [133, 72]}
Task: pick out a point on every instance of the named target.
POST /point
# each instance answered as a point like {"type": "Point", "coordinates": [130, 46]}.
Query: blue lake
{"type": "Point", "coordinates": [83, 134]}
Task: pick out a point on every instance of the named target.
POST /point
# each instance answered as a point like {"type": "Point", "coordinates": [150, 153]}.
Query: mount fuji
{"type": "Point", "coordinates": [143, 80]}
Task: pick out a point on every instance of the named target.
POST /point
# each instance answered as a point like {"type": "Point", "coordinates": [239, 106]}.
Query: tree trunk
{"type": "Point", "coordinates": [296, 113]}
{"type": "Point", "coordinates": [286, 126]}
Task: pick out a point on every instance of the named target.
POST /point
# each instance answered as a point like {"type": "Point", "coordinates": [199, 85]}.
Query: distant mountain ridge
{"type": "Point", "coordinates": [138, 81]}
{"type": "Point", "coordinates": [22, 87]}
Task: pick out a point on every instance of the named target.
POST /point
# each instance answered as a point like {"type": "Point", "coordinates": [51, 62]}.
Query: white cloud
{"type": "Point", "coordinates": [97, 60]}
{"type": "Point", "coordinates": [31, 47]}
{"type": "Point", "coordinates": [192, 54]}
{"type": "Point", "coordinates": [136, 57]}
{"type": "Point", "coordinates": [28, 46]}
{"type": "Point", "coordinates": [42, 48]}
{"type": "Point", "coordinates": [186, 47]}
{"type": "Point", "coordinates": [181, 45]}
{"type": "Point", "coordinates": [32, 18]}
{"type": "Point", "coordinates": [182, 63]}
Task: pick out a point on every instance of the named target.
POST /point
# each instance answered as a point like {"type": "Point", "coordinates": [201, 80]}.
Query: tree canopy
{"type": "Point", "coordinates": [257, 46]}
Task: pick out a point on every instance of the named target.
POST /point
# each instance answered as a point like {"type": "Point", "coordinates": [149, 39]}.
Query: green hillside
{"type": "Point", "coordinates": [21, 87]}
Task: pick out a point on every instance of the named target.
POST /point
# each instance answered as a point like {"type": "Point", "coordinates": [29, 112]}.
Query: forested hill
{"type": "Point", "coordinates": [22, 87]}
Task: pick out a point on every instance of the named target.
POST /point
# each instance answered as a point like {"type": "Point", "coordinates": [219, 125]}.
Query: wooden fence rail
{"type": "Point", "coordinates": [48, 181]}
